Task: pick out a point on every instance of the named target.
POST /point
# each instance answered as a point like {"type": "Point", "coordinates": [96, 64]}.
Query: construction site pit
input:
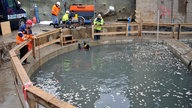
{"type": "Point", "coordinates": [134, 75]}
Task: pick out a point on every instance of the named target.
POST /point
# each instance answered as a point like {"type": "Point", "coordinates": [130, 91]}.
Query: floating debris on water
{"type": "Point", "coordinates": [118, 76]}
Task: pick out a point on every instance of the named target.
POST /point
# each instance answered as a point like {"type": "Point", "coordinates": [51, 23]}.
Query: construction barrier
{"type": "Point", "coordinates": [145, 28]}
{"type": "Point", "coordinates": [35, 96]}
{"type": "Point", "coordinates": [30, 95]}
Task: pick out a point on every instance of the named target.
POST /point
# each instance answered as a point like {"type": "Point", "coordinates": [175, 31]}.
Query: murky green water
{"type": "Point", "coordinates": [118, 76]}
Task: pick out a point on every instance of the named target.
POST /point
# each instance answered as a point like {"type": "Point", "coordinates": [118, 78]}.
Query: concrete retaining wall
{"type": "Point", "coordinates": [180, 50]}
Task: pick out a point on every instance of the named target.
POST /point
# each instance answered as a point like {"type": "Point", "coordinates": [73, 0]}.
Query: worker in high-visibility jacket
{"type": "Point", "coordinates": [65, 18]}
{"type": "Point", "coordinates": [24, 33]}
{"type": "Point", "coordinates": [55, 13]}
{"type": "Point", "coordinates": [98, 22]}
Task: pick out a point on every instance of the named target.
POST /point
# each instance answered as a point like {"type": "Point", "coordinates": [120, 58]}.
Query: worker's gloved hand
{"type": "Point", "coordinates": [24, 38]}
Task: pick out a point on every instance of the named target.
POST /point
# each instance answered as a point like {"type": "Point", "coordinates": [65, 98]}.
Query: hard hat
{"type": "Point", "coordinates": [18, 2]}
{"type": "Point", "coordinates": [58, 3]}
{"type": "Point", "coordinates": [67, 11]}
{"type": "Point", "coordinates": [29, 22]}
{"type": "Point", "coordinates": [99, 15]}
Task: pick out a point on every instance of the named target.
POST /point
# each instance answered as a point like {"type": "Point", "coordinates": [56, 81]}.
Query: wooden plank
{"type": "Point", "coordinates": [186, 24]}
{"type": "Point", "coordinates": [133, 32]}
{"type": "Point", "coordinates": [21, 45]}
{"type": "Point", "coordinates": [47, 44]}
{"type": "Point", "coordinates": [127, 29]}
{"type": "Point", "coordinates": [66, 31]}
{"type": "Point", "coordinates": [5, 28]}
{"type": "Point", "coordinates": [173, 31]}
{"type": "Point", "coordinates": [155, 24]}
{"type": "Point", "coordinates": [61, 104]}
{"type": "Point", "coordinates": [60, 36]}
{"type": "Point", "coordinates": [109, 33]}
{"type": "Point", "coordinates": [185, 32]}
{"type": "Point", "coordinates": [112, 25]}
{"type": "Point", "coordinates": [46, 99]}
{"type": "Point", "coordinates": [31, 103]}
{"type": "Point", "coordinates": [12, 53]}
{"type": "Point", "coordinates": [93, 32]}
{"type": "Point", "coordinates": [33, 48]}
{"type": "Point", "coordinates": [160, 32]}
{"type": "Point", "coordinates": [61, 39]}
{"type": "Point", "coordinates": [70, 41]}
{"type": "Point", "coordinates": [48, 33]}
{"type": "Point", "coordinates": [20, 70]}
{"type": "Point", "coordinates": [66, 36]}
{"type": "Point", "coordinates": [26, 56]}
{"type": "Point", "coordinates": [133, 24]}
{"type": "Point", "coordinates": [139, 29]}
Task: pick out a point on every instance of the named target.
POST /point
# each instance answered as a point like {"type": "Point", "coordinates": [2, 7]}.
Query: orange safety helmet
{"type": "Point", "coordinates": [29, 22]}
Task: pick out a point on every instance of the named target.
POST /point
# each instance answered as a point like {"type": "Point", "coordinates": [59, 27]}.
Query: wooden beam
{"type": "Point", "coordinates": [155, 24]}
{"type": "Point", "coordinates": [93, 32]}
{"type": "Point", "coordinates": [33, 48]}
{"type": "Point", "coordinates": [21, 45]}
{"type": "Point", "coordinates": [26, 56]}
{"type": "Point", "coordinates": [127, 26]}
{"type": "Point", "coordinates": [186, 24]}
{"type": "Point", "coordinates": [160, 32]}
{"type": "Point", "coordinates": [61, 39]}
{"type": "Point", "coordinates": [110, 33]}
{"type": "Point", "coordinates": [48, 33]}
{"type": "Point", "coordinates": [112, 25]}
{"type": "Point", "coordinates": [185, 32]}
{"type": "Point", "coordinates": [46, 99]}
{"type": "Point", "coordinates": [32, 103]}
{"type": "Point", "coordinates": [18, 68]}
{"type": "Point", "coordinates": [47, 44]}
{"type": "Point", "coordinates": [66, 35]}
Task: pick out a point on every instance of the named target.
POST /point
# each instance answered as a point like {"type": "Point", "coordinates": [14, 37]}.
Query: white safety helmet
{"type": "Point", "coordinates": [18, 2]}
{"type": "Point", "coordinates": [99, 15]}
{"type": "Point", "coordinates": [67, 11]}
{"type": "Point", "coordinates": [58, 3]}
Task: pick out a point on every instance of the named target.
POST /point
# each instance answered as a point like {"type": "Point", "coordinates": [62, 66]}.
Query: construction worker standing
{"type": "Point", "coordinates": [24, 33]}
{"type": "Point", "coordinates": [98, 22]}
{"type": "Point", "coordinates": [55, 13]}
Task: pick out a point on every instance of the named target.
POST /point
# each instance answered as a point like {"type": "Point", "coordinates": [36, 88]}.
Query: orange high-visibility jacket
{"type": "Point", "coordinates": [55, 10]}
{"type": "Point", "coordinates": [20, 39]}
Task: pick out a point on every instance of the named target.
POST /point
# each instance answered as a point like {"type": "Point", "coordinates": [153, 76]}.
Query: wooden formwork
{"type": "Point", "coordinates": [143, 28]}
{"type": "Point", "coordinates": [39, 96]}
{"type": "Point", "coordinates": [34, 94]}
